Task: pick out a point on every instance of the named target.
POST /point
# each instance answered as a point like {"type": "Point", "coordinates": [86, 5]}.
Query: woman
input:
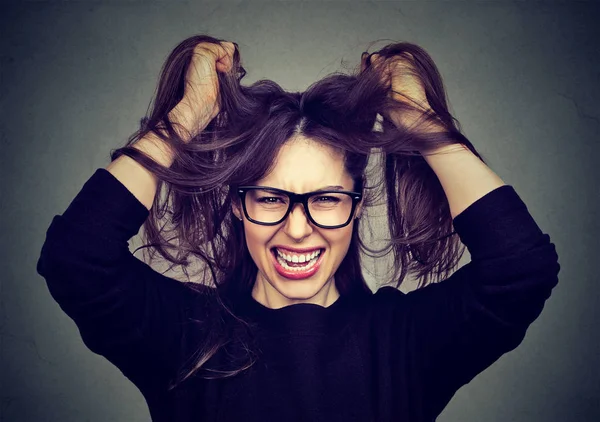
{"type": "Point", "coordinates": [268, 188]}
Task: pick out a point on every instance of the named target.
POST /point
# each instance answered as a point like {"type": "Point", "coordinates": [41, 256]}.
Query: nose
{"type": "Point", "coordinates": [297, 224]}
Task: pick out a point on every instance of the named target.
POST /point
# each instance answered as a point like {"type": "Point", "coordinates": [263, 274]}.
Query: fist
{"type": "Point", "coordinates": [400, 75]}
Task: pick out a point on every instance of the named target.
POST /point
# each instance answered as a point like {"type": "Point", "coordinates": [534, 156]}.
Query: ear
{"type": "Point", "coordinates": [237, 212]}
{"type": "Point", "coordinates": [359, 210]}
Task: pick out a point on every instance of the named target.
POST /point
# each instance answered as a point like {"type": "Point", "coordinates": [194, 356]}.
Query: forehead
{"type": "Point", "coordinates": [303, 165]}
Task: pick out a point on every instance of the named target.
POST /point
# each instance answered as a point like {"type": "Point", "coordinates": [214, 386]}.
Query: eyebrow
{"type": "Point", "coordinates": [330, 187]}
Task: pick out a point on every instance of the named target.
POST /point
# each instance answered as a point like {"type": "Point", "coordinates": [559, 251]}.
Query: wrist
{"type": "Point", "coordinates": [189, 122]}
{"type": "Point", "coordinates": [155, 148]}
{"type": "Point", "coordinates": [180, 117]}
{"type": "Point", "coordinates": [422, 119]}
{"type": "Point", "coordinates": [444, 149]}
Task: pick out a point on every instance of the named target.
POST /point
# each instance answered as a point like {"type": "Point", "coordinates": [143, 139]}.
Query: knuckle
{"type": "Point", "coordinates": [204, 49]}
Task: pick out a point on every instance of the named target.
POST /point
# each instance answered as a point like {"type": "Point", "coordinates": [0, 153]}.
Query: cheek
{"type": "Point", "coordinates": [339, 241]}
{"type": "Point", "coordinates": [257, 239]}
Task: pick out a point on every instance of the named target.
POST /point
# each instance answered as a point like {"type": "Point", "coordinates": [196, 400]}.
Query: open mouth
{"type": "Point", "coordinates": [298, 266]}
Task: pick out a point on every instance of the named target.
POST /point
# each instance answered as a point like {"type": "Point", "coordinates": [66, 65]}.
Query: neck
{"type": "Point", "coordinates": [264, 293]}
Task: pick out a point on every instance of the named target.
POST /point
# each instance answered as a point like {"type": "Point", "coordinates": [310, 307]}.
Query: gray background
{"type": "Point", "coordinates": [522, 78]}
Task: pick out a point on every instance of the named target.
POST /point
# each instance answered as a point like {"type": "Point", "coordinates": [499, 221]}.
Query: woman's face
{"type": "Point", "coordinates": [302, 165]}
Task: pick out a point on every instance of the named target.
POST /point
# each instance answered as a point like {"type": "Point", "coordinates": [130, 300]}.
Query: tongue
{"type": "Point", "coordinates": [297, 264]}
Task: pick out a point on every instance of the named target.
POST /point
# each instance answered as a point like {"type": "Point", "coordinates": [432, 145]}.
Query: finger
{"type": "Point", "coordinates": [225, 61]}
{"type": "Point", "coordinates": [230, 46]}
{"type": "Point", "coordinates": [376, 60]}
{"type": "Point", "coordinates": [207, 49]}
{"type": "Point", "coordinates": [379, 63]}
{"type": "Point", "coordinates": [363, 61]}
{"type": "Point", "coordinates": [215, 53]}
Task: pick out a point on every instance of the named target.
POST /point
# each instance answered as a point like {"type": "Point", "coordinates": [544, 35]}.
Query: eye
{"type": "Point", "coordinates": [269, 199]}
{"type": "Point", "coordinates": [326, 199]}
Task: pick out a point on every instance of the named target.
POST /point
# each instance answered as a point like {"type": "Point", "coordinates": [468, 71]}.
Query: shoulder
{"type": "Point", "coordinates": [388, 295]}
{"type": "Point", "coordinates": [199, 288]}
{"type": "Point", "coordinates": [199, 297]}
{"type": "Point", "coordinates": [386, 301]}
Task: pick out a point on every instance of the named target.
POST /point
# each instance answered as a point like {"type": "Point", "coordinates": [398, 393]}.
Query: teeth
{"type": "Point", "coordinates": [285, 265]}
{"type": "Point", "coordinates": [298, 258]}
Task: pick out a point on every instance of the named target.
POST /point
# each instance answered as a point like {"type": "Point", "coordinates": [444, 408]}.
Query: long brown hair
{"type": "Point", "coordinates": [191, 214]}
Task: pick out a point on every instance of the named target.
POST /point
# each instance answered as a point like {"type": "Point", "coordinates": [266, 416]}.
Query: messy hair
{"type": "Point", "coordinates": [191, 215]}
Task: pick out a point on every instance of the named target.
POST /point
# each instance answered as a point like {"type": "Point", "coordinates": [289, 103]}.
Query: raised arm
{"type": "Point", "coordinates": [462, 325]}
{"type": "Point", "coordinates": [135, 177]}
{"type": "Point", "coordinates": [463, 176]}
{"type": "Point", "coordinates": [125, 311]}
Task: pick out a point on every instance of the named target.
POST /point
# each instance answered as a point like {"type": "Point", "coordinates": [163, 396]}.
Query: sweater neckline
{"type": "Point", "coordinates": [305, 318]}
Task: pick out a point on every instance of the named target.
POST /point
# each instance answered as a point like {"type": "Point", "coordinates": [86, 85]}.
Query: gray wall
{"type": "Point", "coordinates": [523, 79]}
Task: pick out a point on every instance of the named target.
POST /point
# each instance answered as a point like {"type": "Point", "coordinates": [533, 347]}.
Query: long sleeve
{"type": "Point", "coordinates": [460, 326]}
{"type": "Point", "coordinates": [125, 311]}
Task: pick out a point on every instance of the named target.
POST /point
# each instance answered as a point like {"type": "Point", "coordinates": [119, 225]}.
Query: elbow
{"type": "Point", "coordinates": [516, 292]}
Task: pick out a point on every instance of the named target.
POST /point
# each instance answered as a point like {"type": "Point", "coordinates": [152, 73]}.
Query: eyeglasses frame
{"type": "Point", "coordinates": [298, 198]}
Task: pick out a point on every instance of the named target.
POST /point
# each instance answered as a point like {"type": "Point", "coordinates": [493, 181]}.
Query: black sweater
{"type": "Point", "coordinates": [386, 356]}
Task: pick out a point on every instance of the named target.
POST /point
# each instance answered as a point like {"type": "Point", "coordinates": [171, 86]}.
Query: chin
{"type": "Point", "coordinates": [299, 290]}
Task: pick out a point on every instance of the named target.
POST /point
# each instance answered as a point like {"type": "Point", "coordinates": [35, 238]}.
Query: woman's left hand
{"type": "Point", "coordinates": [401, 77]}
{"type": "Point", "coordinates": [399, 74]}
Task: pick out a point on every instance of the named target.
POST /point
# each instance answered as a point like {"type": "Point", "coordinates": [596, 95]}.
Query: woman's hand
{"type": "Point", "coordinates": [400, 75]}
{"type": "Point", "coordinates": [200, 102]}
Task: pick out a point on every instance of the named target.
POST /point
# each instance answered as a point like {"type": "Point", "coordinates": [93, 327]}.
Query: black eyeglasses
{"type": "Point", "coordinates": [328, 209]}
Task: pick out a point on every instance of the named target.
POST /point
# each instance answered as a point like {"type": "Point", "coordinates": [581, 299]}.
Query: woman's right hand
{"type": "Point", "coordinates": [200, 102]}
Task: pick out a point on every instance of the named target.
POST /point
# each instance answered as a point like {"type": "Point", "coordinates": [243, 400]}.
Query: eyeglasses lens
{"type": "Point", "coordinates": [326, 208]}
